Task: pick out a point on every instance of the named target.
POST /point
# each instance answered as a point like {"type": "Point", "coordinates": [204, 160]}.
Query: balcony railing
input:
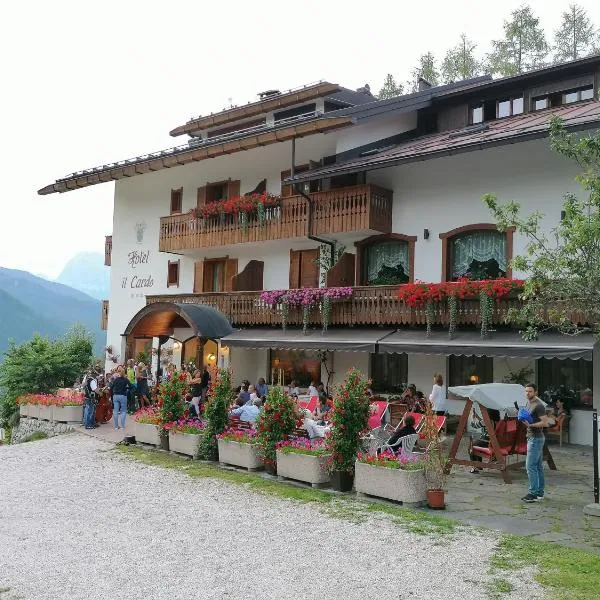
{"type": "Point", "coordinates": [104, 316]}
{"type": "Point", "coordinates": [107, 250]}
{"type": "Point", "coordinates": [377, 305]}
{"type": "Point", "coordinates": [354, 208]}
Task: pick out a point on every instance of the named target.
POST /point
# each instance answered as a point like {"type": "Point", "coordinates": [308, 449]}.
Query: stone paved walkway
{"type": "Point", "coordinates": [484, 500]}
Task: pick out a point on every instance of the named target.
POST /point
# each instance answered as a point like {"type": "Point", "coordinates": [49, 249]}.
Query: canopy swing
{"type": "Point", "coordinates": [507, 438]}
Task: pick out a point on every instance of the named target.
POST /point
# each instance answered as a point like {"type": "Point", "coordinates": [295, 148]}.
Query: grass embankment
{"type": "Point", "coordinates": [565, 573]}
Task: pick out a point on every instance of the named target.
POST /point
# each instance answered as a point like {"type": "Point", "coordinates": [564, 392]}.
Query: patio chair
{"type": "Point", "coordinates": [374, 439]}
{"type": "Point", "coordinates": [397, 410]}
{"type": "Point", "coordinates": [506, 434]}
{"type": "Point", "coordinates": [376, 419]}
{"type": "Point", "coordinates": [439, 424]}
{"type": "Point", "coordinates": [407, 443]}
{"type": "Point", "coordinates": [560, 429]}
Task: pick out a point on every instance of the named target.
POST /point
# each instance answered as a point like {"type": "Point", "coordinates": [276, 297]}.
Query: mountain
{"type": "Point", "coordinates": [30, 304]}
{"type": "Point", "coordinates": [86, 272]}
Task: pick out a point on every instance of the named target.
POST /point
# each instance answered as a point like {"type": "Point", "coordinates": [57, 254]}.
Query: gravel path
{"type": "Point", "coordinates": [79, 521]}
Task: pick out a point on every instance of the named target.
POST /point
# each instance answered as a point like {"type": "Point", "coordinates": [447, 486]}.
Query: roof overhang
{"type": "Point", "coordinates": [253, 109]}
{"type": "Point", "coordinates": [187, 154]}
{"type": "Point", "coordinates": [502, 344]}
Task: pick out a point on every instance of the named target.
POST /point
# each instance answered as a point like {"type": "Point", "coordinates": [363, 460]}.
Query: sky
{"type": "Point", "coordinates": [86, 83]}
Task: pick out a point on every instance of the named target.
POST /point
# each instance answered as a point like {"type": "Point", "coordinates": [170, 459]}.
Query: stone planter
{"type": "Point", "coordinates": [45, 413]}
{"type": "Point", "coordinates": [240, 455]}
{"type": "Point", "coordinates": [408, 487]}
{"type": "Point", "coordinates": [67, 414]}
{"type": "Point", "coordinates": [310, 468]}
{"type": "Point", "coordinates": [146, 433]}
{"type": "Point", "coordinates": [34, 411]}
{"type": "Point", "coordinates": [24, 410]}
{"type": "Point", "coordinates": [184, 443]}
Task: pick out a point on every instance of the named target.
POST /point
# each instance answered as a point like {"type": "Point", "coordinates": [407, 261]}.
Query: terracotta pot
{"type": "Point", "coordinates": [342, 481]}
{"type": "Point", "coordinates": [436, 499]}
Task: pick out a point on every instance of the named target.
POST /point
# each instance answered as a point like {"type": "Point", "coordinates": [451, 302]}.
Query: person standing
{"type": "Point", "coordinates": [438, 395]}
{"type": "Point", "coordinates": [132, 384]}
{"type": "Point", "coordinates": [141, 377]}
{"type": "Point", "coordinates": [90, 391]}
{"type": "Point", "coordinates": [536, 439]}
{"type": "Point", "coordinates": [196, 391]}
{"type": "Point", "coordinates": [204, 383]}
{"type": "Point", "coordinates": [119, 387]}
{"type": "Point", "coordinates": [261, 388]}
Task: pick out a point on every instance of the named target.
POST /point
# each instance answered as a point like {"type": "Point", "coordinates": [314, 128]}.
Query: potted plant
{"type": "Point", "coordinates": [68, 410]}
{"type": "Point", "coordinates": [239, 447]}
{"type": "Point", "coordinates": [171, 404]}
{"type": "Point", "coordinates": [220, 396]}
{"type": "Point", "coordinates": [145, 428]}
{"type": "Point", "coordinates": [351, 411]}
{"type": "Point", "coordinates": [45, 404]}
{"type": "Point", "coordinates": [276, 423]}
{"type": "Point", "coordinates": [395, 477]}
{"type": "Point", "coordinates": [23, 402]}
{"type": "Point", "coordinates": [184, 435]}
{"type": "Point", "coordinates": [33, 400]}
{"type": "Point", "coordinates": [435, 462]}
{"type": "Point", "coordinates": [303, 460]}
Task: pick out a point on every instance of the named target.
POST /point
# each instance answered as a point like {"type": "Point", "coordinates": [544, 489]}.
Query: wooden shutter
{"type": "Point", "coordinates": [231, 269]}
{"type": "Point", "coordinates": [198, 277]}
{"type": "Point", "coordinates": [295, 269]}
{"type": "Point", "coordinates": [250, 278]}
{"type": "Point", "coordinates": [207, 277]}
{"type": "Point", "coordinates": [173, 273]}
{"type": "Point", "coordinates": [286, 190]}
{"type": "Point", "coordinates": [201, 196]}
{"type": "Point", "coordinates": [233, 189]}
{"type": "Point", "coordinates": [309, 268]}
{"type": "Point", "coordinates": [176, 201]}
{"type": "Point", "coordinates": [342, 273]}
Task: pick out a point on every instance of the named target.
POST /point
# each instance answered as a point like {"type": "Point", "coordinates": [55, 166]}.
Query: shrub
{"type": "Point", "coordinates": [220, 396]}
{"type": "Point", "coordinates": [276, 422]}
{"type": "Point", "coordinates": [351, 410]}
{"type": "Point", "coordinates": [170, 399]}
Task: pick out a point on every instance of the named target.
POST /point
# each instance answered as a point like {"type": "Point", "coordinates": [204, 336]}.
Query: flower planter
{"type": "Point", "coordinates": [311, 468]}
{"type": "Point", "coordinates": [184, 443]}
{"type": "Point", "coordinates": [436, 499]}
{"type": "Point", "coordinates": [146, 433]}
{"type": "Point", "coordinates": [67, 414]}
{"type": "Point", "coordinates": [45, 413]}
{"type": "Point", "coordinates": [24, 410]}
{"type": "Point", "coordinates": [342, 481]}
{"type": "Point", "coordinates": [34, 411]}
{"type": "Point", "coordinates": [239, 454]}
{"type": "Point", "coordinates": [408, 487]}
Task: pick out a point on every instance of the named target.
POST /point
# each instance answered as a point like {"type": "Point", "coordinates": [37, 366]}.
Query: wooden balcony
{"type": "Point", "coordinates": [377, 305]}
{"type": "Point", "coordinates": [107, 250]}
{"type": "Point", "coordinates": [365, 208]}
{"type": "Point", "coordinates": [104, 316]}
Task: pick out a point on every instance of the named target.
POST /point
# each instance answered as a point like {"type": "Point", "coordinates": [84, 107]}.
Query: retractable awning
{"type": "Point", "coordinates": [509, 344]}
{"type": "Point", "coordinates": [349, 340]}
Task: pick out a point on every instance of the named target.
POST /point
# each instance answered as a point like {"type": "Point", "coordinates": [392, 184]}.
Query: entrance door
{"type": "Point", "coordinates": [304, 268]}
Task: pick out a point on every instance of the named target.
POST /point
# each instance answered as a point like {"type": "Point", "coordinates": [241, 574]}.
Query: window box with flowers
{"type": "Point", "coordinates": [184, 436]}
{"type": "Point", "coordinates": [395, 477]}
{"type": "Point", "coordinates": [239, 448]}
{"type": "Point", "coordinates": [23, 402]}
{"type": "Point", "coordinates": [146, 426]}
{"type": "Point", "coordinates": [68, 410]}
{"type": "Point", "coordinates": [45, 404]}
{"type": "Point", "coordinates": [303, 460]}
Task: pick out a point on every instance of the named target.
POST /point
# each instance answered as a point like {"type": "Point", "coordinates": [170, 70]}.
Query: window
{"type": "Point", "coordinates": [470, 370]}
{"type": "Point", "coordinates": [176, 201]}
{"type": "Point", "coordinates": [478, 255]}
{"type": "Point", "coordinates": [216, 192]}
{"type": "Point", "coordinates": [477, 114]}
{"type": "Point", "coordinates": [568, 380]}
{"type": "Point", "coordinates": [386, 263]}
{"type": "Point", "coordinates": [173, 273]}
{"type": "Point", "coordinates": [509, 107]}
{"type": "Point", "coordinates": [302, 365]}
{"type": "Point", "coordinates": [586, 93]}
{"type": "Point", "coordinates": [389, 372]}
{"type": "Point", "coordinates": [541, 103]}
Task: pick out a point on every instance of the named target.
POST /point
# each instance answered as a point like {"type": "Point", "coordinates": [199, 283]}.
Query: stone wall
{"type": "Point", "coordinates": [28, 426]}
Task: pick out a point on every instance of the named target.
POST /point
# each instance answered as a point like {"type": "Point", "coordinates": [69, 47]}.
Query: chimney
{"type": "Point", "coordinates": [366, 89]}
{"type": "Point", "coordinates": [423, 84]}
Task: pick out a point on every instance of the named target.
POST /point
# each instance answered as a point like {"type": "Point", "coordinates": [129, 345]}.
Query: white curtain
{"type": "Point", "coordinates": [480, 246]}
{"type": "Point", "coordinates": [386, 254]}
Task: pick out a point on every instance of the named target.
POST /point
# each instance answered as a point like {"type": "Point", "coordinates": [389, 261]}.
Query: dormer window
{"type": "Point", "coordinates": [586, 93]}
{"type": "Point", "coordinates": [509, 107]}
{"type": "Point", "coordinates": [541, 103]}
{"type": "Point", "coordinates": [477, 114]}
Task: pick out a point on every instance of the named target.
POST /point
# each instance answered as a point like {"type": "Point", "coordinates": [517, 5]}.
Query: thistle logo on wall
{"type": "Point", "coordinates": [139, 231]}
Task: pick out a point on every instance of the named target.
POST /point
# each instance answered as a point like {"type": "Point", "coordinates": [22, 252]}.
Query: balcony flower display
{"type": "Point", "coordinates": [307, 298]}
{"type": "Point", "coordinates": [429, 295]}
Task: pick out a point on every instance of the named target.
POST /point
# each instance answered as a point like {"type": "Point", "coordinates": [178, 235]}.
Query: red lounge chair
{"type": "Point", "coordinates": [312, 404]}
{"type": "Point", "coordinates": [439, 423]}
{"type": "Point", "coordinates": [376, 418]}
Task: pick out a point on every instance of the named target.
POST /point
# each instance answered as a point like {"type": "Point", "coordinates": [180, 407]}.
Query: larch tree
{"type": "Point", "coordinates": [460, 62]}
{"type": "Point", "coordinates": [390, 89]}
{"type": "Point", "coordinates": [576, 37]}
{"type": "Point", "coordinates": [426, 69]}
{"type": "Point", "coordinates": [523, 47]}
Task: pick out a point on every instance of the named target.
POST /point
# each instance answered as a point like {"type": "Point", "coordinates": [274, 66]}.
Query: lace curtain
{"type": "Point", "coordinates": [481, 246]}
{"type": "Point", "coordinates": [388, 254]}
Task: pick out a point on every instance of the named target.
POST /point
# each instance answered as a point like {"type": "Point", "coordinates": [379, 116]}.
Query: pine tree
{"type": "Point", "coordinates": [460, 62]}
{"type": "Point", "coordinates": [576, 36]}
{"type": "Point", "coordinates": [390, 88]}
{"type": "Point", "coordinates": [524, 46]}
{"type": "Point", "coordinates": [426, 69]}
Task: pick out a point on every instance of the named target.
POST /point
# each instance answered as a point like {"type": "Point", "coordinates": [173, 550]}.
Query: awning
{"type": "Point", "coordinates": [349, 340]}
{"type": "Point", "coordinates": [509, 344]}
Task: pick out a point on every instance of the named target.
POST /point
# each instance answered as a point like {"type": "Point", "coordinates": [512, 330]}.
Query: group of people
{"type": "Point", "coordinates": [416, 401]}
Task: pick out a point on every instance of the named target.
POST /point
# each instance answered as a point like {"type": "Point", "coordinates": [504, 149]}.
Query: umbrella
{"type": "Point", "coordinates": [498, 396]}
